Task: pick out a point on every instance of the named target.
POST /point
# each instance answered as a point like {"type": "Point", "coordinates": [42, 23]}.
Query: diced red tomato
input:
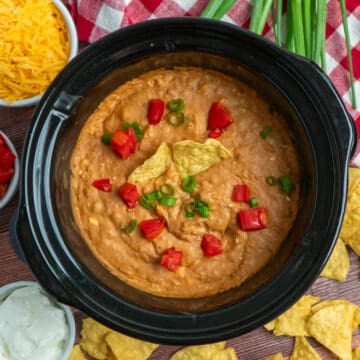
{"type": "Point", "coordinates": [152, 228]}
{"type": "Point", "coordinates": [6, 175]}
{"type": "Point", "coordinates": [214, 134]}
{"type": "Point", "coordinates": [7, 158]}
{"type": "Point", "coordinates": [240, 193]}
{"type": "Point", "coordinates": [129, 194]}
{"type": "Point", "coordinates": [171, 259]}
{"type": "Point", "coordinates": [155, 111]}
{"type": "Point", "coordinates": [211, 245]}
{"type": "Point", "coordinates": [103, 185]}
{"type": "Point", "coordinates": [219, 117]}
{"type": "Point", "coordinates": [253, 219]}
{"type": "Point", "coordinates": [124, 142]}
{"type": "Point", "coordinates": [3, 189]}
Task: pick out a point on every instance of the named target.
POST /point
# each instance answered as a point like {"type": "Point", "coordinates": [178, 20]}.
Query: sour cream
{"type": "Point", "coordinates": [31, 326]}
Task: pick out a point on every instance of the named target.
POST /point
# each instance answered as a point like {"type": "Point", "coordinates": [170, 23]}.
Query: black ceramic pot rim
{"type": "Point", "coordinates": [57, 269]}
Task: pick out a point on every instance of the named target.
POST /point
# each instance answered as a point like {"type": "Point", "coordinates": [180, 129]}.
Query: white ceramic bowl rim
{"type": "Point", "coordinates": [6, 290]}
{"type": "Point", "coordinates": [73, 40]}
{"type": "Point", "coordinates": [15, 179]}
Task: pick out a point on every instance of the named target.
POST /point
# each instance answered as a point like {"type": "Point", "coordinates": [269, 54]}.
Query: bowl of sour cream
{"type": "Point", "coordinates": [33, 324]}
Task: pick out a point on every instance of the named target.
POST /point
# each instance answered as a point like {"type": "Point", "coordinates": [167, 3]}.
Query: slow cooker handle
{"type": "Point", "coordinates": [19, 229]}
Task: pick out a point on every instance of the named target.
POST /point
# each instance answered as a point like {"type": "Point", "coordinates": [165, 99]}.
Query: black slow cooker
{"type": "Point", "coordinates": [44, 227]}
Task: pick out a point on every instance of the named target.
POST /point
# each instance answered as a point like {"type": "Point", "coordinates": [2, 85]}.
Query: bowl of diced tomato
{"type": "Point", "coordinates": [9, 170]}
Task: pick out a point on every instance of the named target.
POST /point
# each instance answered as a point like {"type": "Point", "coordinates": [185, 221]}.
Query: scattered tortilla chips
{"type": "Point", "coordinates": [126, 348]}
{"type": "Point", "coordinates": [76, 353]}
{"type": "Point", "coordinates": [356, 354]}
{"type": "Point", "coordinates": [214, 351]}
{"type": "Point", "coordinates": [93, 339]}
{"type": "Point", "coordinates": [292, 322]}
{"type": "Point", "coordinates": [338, 266]}
{"type": "Point", "coordinates": [303, 351]}
{"type": "Point", "coordinates": [191, 157]}
{"type": "Point", "coordinates": [332, 326]}
{"type": "Point", "coordinates": [277, 356]}
{"type": "Point", "coordinates": [154, 166]}
{"type": "Point", "coordinates": [350, 231]}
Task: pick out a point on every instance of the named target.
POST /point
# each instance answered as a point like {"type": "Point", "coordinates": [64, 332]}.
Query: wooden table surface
{"type": "Point", "coordinates": [252, 346]}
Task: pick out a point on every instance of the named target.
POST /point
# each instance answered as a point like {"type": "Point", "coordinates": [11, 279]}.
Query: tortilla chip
{"type": "Point", "coordinates": [338, 266]}
{"type": "Point", "coordinates": [332, 326]}
{"type": "Point", "coordinates": [200, 352]}
{"type": "Point", "coordinates": [356, 318]}
{"type": "Point", "coordinates": [356, 354]}
{"type": "Point", "coordinates": [93, 338]}
{"type": "Point", "coordinates": [76, 353]}
{"type": "Point", "coordinates": [191, 157]}
{"type": "Point", "coordinates": [154, 166]}
{"type": "Point", "coordinates": [292, 322]}
{"type": "Point", "coordinates": [303, 351]}
{"type": "Point", "coordinates": [227, 354]}
{"type": "Point", "coordinates": [127, 348]}
{"type": "Point", "coordinates": [350, 231]}
{"type": "Point", "coordinates": [277, 356]}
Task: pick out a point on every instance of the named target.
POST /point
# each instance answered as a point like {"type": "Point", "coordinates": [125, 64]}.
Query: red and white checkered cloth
{"type": "Point", "coordinates": [97, 18]}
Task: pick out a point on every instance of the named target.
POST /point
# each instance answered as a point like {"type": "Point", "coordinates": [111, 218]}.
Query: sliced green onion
{"type": "Point", "coordinates": [265, 132]}
{"type": "Point", "coordinates": [155, 195]}
{"type": "Point", "coordinates": [137, 129]}
{"type": "Point", "coordinates": [176, 105]}
{"type": "Point", "coordinates": [202, 208]}
{"type": "Point", "coordinates": [147, 203]}
{"type": "Point", "coordinates": [168, 200]}
{"type": "Point", "coordinates": [286, 184]}
{"type": "Point", "coordinates": [253, 202]}
{"type": "Point", "coordinates": [127, 229]}
{"type": "Point", "coordinates": [189, 209]}
{"type": "Point", "coordinates": [349, 54]}
{"type": "Point", "coordinates": [270, 180]}
{"type": "Point", "coordinates": [167, 189]}
{"type": "Point", "coordinates": [176, 119]}
{"type": "Point", "coordinates": [189, 184]}
{"type": "Point", "coordinates": [106, 139]}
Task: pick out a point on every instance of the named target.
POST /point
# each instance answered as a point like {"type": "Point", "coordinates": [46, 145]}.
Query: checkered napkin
{"type": "Point", "coordinates": [97, 18]}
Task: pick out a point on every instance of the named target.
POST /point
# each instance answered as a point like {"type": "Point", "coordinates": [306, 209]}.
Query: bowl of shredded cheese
{"type": "Point", "coordinates": [38, 38]}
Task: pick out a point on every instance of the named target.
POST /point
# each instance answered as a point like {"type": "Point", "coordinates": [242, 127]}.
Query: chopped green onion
{"type": "Point", "coordinates": [253, 202]}
{"type": "Point", "coordinates": [176, 105]}
{"type": "Point", "coordinates": [127, 229]}
{"type": "Point", "coordinates": [270, 180]}
{"type": "Point", "coordinates": [167, 189]}
{"type": "Point", "coordinates": [106, 139]}
{"type": "Point", "coordinates": [286, 184]}
{"type": "Point", "coordinates": [349, 54]}
{"type": "Point", "coordinates": [147, 203]}
{"type": "Point", "coordinates": [265, 132]}
{"type": "Point", "coordinates": [202, 208]}
{"type": "Point", "coordinates": [168, 200]}
{"type": "Point", "coordinates": [176, 119]}
{"type": "Point", "coordinates": [189, 184]}
{"type": "Point", "coordinates": [189, 209]}
{"type": "Point", "coordinates": [155, 195]}
{"type": "Point", "coordinates": [137, 129]}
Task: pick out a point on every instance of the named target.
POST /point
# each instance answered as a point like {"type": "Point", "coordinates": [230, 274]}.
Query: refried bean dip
{"type": "Point", "coordinates": [216, 187]}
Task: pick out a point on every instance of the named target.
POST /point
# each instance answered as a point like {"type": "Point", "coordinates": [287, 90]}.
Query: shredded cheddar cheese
{"type": "Point", "coordinates": [33, 47]}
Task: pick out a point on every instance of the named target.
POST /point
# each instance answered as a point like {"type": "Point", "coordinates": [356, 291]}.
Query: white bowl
{"type": "Point", "coordinates": [74, 43]}
{"type": "Point", "coordinates": [6, 290]}
{"type": "Point", "coordinates": [15, 179]}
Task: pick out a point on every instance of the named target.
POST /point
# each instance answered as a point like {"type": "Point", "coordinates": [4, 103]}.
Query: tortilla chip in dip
{"type": "Point", "coordinates": [191, 157]}
{"type": "Point", "coordinates": [153, 167]}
